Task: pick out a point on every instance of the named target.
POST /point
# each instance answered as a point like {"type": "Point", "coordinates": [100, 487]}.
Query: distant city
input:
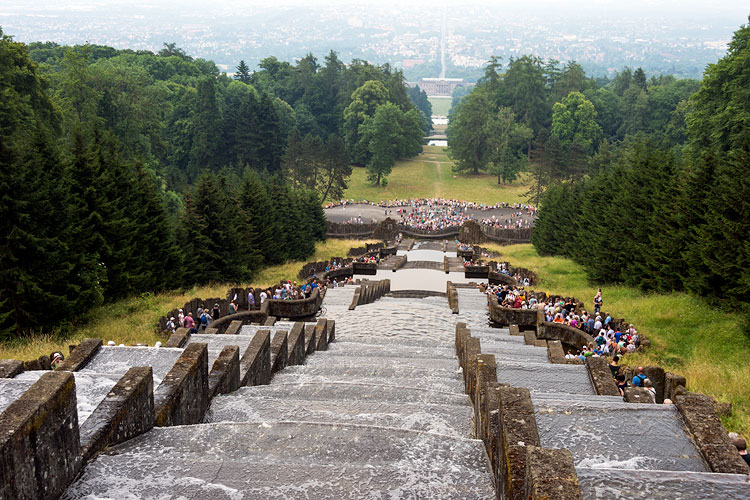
{"type": "Point", "coordinates": [408, 37]}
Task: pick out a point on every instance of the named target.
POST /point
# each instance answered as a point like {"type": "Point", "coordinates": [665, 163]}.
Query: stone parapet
{"type": "Point", "coordinates": [551, 474]}
{"type": "Point", "coordinates": [39, 440]}
{"type": "Point", "coordinates": [176, 340]}
{"type": "Point", "coordinates": [637, 395]}
{"type": "Point", "coordinates": [504, 316]}
{"type": "Point", "coordinates": [310, 339]}
{"type": "Point", "coordinates": [601, 376]}
{"type": "Point", "coordinates": [518, 431]}
{"type": "Point", "coordinates": [224, 376]}
{"type": "Point", "coordinates": [125, 412]}
{"type": "Point", "coordinates": [701, 420]}
{"type": "Point", "coordinates": [279, 351]}
{"type": "Point", "coordinates": [564, 333]}
{"type": "Point", "coordinates": [367, 268]}
{"type": "Point", "coordinates": [182, 397]}
{"type": "Point", "coordinates": [296, 344]}
{"type": "Point", "coordinates": [255, 364]}
{"type": "Point", "coordinates": [9, 368]}
{"type": "Point", "coordinates": [81, 355]}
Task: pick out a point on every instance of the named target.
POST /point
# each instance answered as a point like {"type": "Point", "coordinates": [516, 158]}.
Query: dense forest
{"type": "Point", "coordinates": [645, 180]}
{"type": "Point", "coordinates": [127, 172]}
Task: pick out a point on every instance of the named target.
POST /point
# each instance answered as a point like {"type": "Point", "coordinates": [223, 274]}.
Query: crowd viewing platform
{"type": "Point", "coordinates": [433, 214]}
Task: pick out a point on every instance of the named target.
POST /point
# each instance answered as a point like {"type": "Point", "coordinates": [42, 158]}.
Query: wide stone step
{"type": "Point", "coordinates": [403, 371]}
{"type": "Point", "coordinates": [545, 377]}
{"type": "Point", "coordinates": [433, 364]}
{"type": "Point", "coordinates": [433, 383]}
{"type": "Point", "coordinates": [392, 351]}
{"type": "Point", "coordinates": [353, 391]}
{"type": "Point", "coordinates": [118, 360]}
{"type": "Point", "coordinates": [618, 435]}
{"type": "Point", "coordinates": [388, 341]}
{"type": "Point", "coordinates": [616, 484]}
{"type": "Point", "coordinates": [449, 420]}
{"type": "Point", "coordinates": [288, 460]}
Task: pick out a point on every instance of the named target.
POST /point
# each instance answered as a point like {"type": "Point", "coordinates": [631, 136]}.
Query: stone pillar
{"type": "Point", "coordinates": [551, 474]}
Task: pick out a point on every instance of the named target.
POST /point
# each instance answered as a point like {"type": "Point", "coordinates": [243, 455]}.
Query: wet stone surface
{"type": "Point", "coordinates": [614, 484]}
{"type": "Point", "coordinates": [620, 435]}
{"type": "Point", "coordinates": [117, 360]}
{"type": "Point", "coordinates": [545, 377]}
{"type": "Point", "coordinates": [91, 388]}
{"type": "Point", "coordinates": [288, 460]}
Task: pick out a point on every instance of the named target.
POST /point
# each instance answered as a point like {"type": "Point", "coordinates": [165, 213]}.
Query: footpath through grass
{"type": "Point", "coordinates": [430, 175]}
{"type": "Point", "coordinates": [688, 337]}
{"type": "Point", "coordinates": [133, 320]}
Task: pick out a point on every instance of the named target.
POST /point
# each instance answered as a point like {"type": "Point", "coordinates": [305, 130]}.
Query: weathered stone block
{"type": "Point", "coordinates": [671, 383]}
{"type": "Point", "coordinates": [32, 365]}
{"type": "Point", "coordinates": [321, 335]}
{"type": "Point", "coordinates": [233, 328]}
{"type": "Point", "coordinates": [637, 395]}
{"type": "Point", "coordinates": [514, 330]}
{"type": "Point", "coordinates": [9, 368]}
{"type": "Point", "coordinates": [551, 474]}
{"type": "Point", "coordinates": [709, 435]}
{"type": "Point", "coordinates": [125, 412]}
{"type": "Point", "coordinates": [279, 351]}
{"type": "Point", "coordinates": [519, 430]}
{"type": "Point", "coordinates": [529, 337]}
{"type": "Point", "coordinates": [601, 377]}
{"type": "Point", "coordinates": [555, 352]}
{"type": "Point", "coordinates": [39, 440]}
{"type": "Point", "coordinates": [310, 338]}
{"type": "Point", "coordinates": [331, 327]}
{"type": "Point", "coordinates": [270, 321]}
{"type": "Point", "coordinates": [81, 355]}
{"type": "Point", "coordinates": [182, 397]}
{"type": "Point", "coordinates": [296, 344]}
{"type": "Point", "coordinates": [540, 343]}
{"type": "Point", "coordinates": [224, 376]}
{"type": "Point", "coordinates": [658, 378]}
{"type": "Point", "coordinates": [176, 340]}
{"type": "Point", "coordinates": [255, 364]}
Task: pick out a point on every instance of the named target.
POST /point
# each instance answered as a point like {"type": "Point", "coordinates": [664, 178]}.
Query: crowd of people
{"type": "Point", "coordinates": [433, 214]}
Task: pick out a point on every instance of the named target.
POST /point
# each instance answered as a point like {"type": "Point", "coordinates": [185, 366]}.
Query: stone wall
{"type": "Point", "coordinates": [224, 376]}
{"type": "Point", "coordinates": [126, 411]}
{"type": "Point", "coordinates": [182, 397]}
{"type": "Point", "coordinates": [368, 268]}
{"type": "Point", "coordinates": [39, 440]}
{"type": "Point", "coordinates": [296, 309]}
{"type": "Point", "coordinates": [505, 421]}
{"type": "Point", "coordinates": [564, 333]}
{"type": "Point", "coordinates": [699, 413]}
{"type": "Point", "coordinates": [369, 291]}
{"type": "Point", "coordinates": [505, 316]}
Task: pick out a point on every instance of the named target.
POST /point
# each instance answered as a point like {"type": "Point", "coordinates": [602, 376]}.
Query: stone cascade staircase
{"type": "Point", "coordinates": [620, 450]}
{"type": "Point", "coordinates": [380, 414]}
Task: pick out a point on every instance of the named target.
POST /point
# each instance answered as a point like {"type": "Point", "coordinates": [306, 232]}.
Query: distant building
{"type": "Point", "coordinates": [441, 87]}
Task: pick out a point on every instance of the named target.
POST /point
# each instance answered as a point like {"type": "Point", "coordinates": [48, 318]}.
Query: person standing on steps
{"type": "Point", "coordinates": [216, 312]}
{"type": "Point", "coordinates": [640, 378]}
{"type": "Point", "coordinates": [598, 301]}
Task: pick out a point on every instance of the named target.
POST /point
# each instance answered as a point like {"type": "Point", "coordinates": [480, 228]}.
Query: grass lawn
{"type": "Point", "coordinates": [440, 105]}
{"type": "Point", "coordinates": [431, 175]}
{"type": "Point", "coordinates": [688, 337]}
{"type": "Point", "coordinates": [133, 320]}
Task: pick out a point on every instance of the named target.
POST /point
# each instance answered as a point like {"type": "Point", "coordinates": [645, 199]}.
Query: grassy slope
{"type": "Point", "coordinates": [688, 337]}
{"type": "Point", "coordinates": [440, 105]}
{"type": "Point", "coordinates": [132, 320]}
{"type": "Point", "coordinates": [431, 175]}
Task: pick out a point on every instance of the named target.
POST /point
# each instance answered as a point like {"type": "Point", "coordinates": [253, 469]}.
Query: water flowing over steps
{"type": "Point", "coordinates": [621, 450]}
{"type": "Point", "coordinates": [381, 413]}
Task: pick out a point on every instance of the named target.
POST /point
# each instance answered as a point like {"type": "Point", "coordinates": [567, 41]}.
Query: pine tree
{"type": "Point", "coordinates": [259, 230]}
